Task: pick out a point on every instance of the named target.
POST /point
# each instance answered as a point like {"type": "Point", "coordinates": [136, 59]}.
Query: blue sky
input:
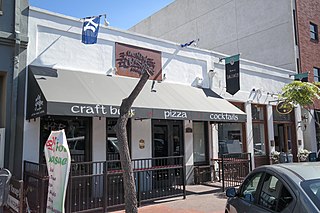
{"type": "Point", "coordinates": [121, 14]}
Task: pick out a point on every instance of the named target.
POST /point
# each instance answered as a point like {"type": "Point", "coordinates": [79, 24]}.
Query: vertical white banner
{"type": "Point", "coordinates": [58, 160]}
{"type": "Point", "coordinates": [2, 143]}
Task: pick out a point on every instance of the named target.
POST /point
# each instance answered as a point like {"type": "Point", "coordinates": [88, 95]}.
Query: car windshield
{"type": "Point", "coordinates": [312, 188]}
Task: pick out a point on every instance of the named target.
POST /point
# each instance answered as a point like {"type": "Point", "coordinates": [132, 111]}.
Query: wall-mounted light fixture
{"type": "Point", "coordinates": [198, 82]}
{"type": "Point", "coordinates": [111, 72]}
{"type": "Point", "coordinates": [152, 86]}
{"type": "Point", "coordinates": [272, 143]}
{"type": "Point", "coordinates": [303, 123]}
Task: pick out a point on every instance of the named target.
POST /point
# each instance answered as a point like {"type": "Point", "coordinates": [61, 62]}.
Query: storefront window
{"type": "Point", "coordinates": [257, 112]}
{"type": "Point", "coordinates": [283, 125]}
{"type": "Point", "coordinates": [77, 133]}
{"type": "Point", "coordinates": [230, 138]}
{"type": "Point", "coordinates": [258, 139]}
{"type": "Point", "coordinates": [112, 141]}
{"type": "Point", "coordinates": [200, 144]}
{"type": "Point", "coordinates": [258, 127]}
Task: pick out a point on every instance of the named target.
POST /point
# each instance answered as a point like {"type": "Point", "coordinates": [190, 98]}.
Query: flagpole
{"type": "Point", "coordinates": [105, 16]}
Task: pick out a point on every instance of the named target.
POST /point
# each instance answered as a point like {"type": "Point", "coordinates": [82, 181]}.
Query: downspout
{"type": "Point", "coordinates": [14, 89]}
{"type": "Point", "coordinates": [296, 29]}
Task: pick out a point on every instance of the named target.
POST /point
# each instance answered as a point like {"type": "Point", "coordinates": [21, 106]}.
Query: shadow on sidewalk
{"type": "Point", "coordinates": [191, 192]}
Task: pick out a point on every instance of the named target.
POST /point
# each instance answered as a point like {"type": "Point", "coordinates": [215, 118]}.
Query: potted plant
{"type": "Point", "coordinates": [303, 155]}
{"type": "Point", "coordinates": [275, 155]}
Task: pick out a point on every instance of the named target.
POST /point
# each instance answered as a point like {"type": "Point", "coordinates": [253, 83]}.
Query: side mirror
{"type": "Point", "coordinates": [231, 192]}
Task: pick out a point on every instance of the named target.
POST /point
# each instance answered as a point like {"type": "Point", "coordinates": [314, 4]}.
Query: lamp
{"type": "Point", "coordinates": [198, 82]}
{"type": "Point", "coordinates": [303, 123]}
{"type": "Point", "coordinates": [304, 118]}
{"type": "Point", "coordinates": [112, 71]}
{"type": "Point", "coordinates": [152, 86]}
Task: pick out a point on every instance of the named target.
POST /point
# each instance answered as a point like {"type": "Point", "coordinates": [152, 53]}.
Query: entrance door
{"type": "Point", "coordinates": [167, 138]}
{"type": "Point", "coordinates": [283, 138]}
{"type": "Point", "coordinates": [167, 142]}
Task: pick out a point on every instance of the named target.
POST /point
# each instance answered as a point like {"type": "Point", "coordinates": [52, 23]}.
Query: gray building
{"type": "Point", "coordinates": [13, 45]}
{"type": "Point", "coordinates": [262, 31]}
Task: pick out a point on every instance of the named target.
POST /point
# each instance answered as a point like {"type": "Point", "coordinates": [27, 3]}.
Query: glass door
{"type": "Point", "coordinates": [167, 138]}
{"type": "Point", "coordinates": [167, 142]}
{"type": "Point", "coordinates": [283, 138]}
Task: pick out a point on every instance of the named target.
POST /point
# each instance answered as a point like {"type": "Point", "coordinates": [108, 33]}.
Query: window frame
{"type": "Point", "coordinates": [258, 188]}
{"type": "Point", "coordinates": [206, 144]}
{"type": "Point", "coordinates": [261, 121]}
{"type": "Point", "coordinates": [316, 79]}
{"type": "Point", "coordinates": [284, 184]}
{"type": "Point", "coordinates": [313, 32]}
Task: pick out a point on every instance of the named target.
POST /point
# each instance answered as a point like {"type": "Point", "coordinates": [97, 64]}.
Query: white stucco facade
{"type": "Point", "coordinates": [55, 41]}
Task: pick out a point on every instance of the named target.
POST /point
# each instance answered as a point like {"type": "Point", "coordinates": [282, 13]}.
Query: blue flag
{"type": "Point", "coordinates": [90, 30]}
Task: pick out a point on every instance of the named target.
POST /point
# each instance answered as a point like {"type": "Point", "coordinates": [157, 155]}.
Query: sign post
{"type": "Point", "coordinates": [58, 160]}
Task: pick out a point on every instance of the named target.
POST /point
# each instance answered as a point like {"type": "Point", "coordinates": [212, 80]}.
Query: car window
{"type": "Point", "coordinates": [249, 187]}
{"type": "Point", "coordinates": [312, 188]}
{"type": "Point", "coordinates": [274, 195]}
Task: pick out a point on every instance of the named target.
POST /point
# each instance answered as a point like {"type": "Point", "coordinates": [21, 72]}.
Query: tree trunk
{"type": "Point", "coordinates": [130, 195]}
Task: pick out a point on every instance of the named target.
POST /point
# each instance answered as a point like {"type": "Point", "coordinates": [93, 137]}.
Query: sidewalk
{"type": "Point", "coordinates": [200, 199]}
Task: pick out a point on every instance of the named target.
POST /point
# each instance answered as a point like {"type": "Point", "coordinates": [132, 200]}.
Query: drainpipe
{"type": "Point", "coordinates": [14, 90]}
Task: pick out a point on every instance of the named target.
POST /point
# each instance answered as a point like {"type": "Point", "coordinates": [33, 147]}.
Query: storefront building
{"type": "Point", "coordinates": [183, 110]}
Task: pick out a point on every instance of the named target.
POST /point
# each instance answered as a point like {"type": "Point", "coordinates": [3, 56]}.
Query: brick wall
{"type": "Point", "coordinates": [308, 11]}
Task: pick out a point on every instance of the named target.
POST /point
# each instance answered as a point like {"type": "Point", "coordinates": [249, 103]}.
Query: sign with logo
{"type": "Point", "coordinates": [90, 30]}
{"type": "Point", "coordinates": [131, 60]}
{"type": "Point", "coordinates": [37, 104]}
{"type": "Point", "coordinates": [233, 74]}
{"type": "Point", "coordinates": [58, 161]}
{"type": "Point", "coordinates": [15, 198]}
{"type": "Point", "coordinates": [284, 107]}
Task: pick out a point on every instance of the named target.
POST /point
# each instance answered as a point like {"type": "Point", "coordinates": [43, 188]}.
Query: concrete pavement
{"type": "Point", "coordinates": [200, 199]}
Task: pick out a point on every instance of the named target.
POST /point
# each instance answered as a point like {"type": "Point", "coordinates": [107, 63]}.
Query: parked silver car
{"type": "Point", "coordinates": [288, 187]}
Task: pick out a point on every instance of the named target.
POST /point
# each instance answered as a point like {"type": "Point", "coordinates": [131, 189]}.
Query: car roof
{"type": "Point", "coordinates": [305, 171]}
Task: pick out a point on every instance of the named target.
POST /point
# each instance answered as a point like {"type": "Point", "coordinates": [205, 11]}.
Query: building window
{"type": "Point", "coordinates": [230, 138]}
{"type": "Point", "coordinates": [112, 140]}
{"type": "Point", "coordinates": [258, 126]}
{"type": "Point", "coordinates": [77, 132]}
{"type": "Point", "coordinates": [200, 143]}
{"type": "Point", "coordinates": [313, 31]}
{"type": "Point", "coordinates": [316, 74]}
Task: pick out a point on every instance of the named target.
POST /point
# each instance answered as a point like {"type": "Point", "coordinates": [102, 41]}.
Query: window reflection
{"type": "Point", "coordinates": [199, 142]}
{"type": "Point", "coordinates": [258, 139]}
{"type": "Point", "coordinates": [230, 138]}
{"type": "Point", "coordinates": [76, 130]}
{"type": "Point", "coordinates": [112, 141]}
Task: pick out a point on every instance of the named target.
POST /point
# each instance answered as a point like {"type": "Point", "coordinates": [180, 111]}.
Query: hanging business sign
{"type": "Point", "coordinates": [284, 107]}
{"type": "Point", "coordinates": [58, 159]}
{"type": "Point", "coordinates": [233, 74]}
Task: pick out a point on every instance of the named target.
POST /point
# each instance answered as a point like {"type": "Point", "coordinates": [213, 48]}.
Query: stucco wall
{"type": "Point", "coordinates": [261, 31]}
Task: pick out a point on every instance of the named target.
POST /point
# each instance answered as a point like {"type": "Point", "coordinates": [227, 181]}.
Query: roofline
{"type": "Point", "coordinates": [190, 48]}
